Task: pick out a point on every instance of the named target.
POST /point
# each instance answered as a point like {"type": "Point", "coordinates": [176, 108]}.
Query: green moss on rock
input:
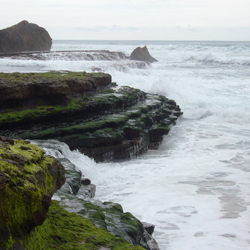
{"type": "Point", "coordinates": [28, 179]}
{"type": "Point", "coordinates": [63, 230]}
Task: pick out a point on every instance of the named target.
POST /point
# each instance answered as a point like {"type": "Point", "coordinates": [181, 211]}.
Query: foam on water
{"type": "Point", "coordinates": [195, 188]}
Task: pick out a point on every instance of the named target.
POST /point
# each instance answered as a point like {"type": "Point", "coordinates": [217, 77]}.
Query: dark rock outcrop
{"type": "Point", "coordinates": [20, 86]}
{"type": "Point", "coordinates": [28, 179]}
{"type": "Point", "coordinates": [24, 36]}
{"type": "Point", "coordinates": [108, 124]}
{"type": "Point", "coordinates": [104, 121]}
{"type": "Point", "coordinates": [64, 230]}
{"type": "Point", "coordinates": [142, 54]}
{"type": "Point", "coordinates": [109, 216]}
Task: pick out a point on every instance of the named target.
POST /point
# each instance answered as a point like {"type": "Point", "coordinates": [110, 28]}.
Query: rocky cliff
{"type": "Point", "coordinates": [24, 36]}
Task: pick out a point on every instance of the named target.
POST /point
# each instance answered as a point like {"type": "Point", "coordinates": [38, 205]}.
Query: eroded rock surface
{"type": "Point", "coordinates": [109, 216]}
{"type": "Point", "coordinates": [24, 36]}
{"type": "Point", "coordinates": [28, 179]}
{"type": "Point", "coordinates": [109, 123]}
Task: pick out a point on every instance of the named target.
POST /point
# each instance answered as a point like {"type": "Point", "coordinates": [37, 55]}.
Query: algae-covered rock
{"type": "Point", "coordinates": [111, 217]}
{"type": "Point", "coordinates": [63, 231]}
{"type": "Point", "coordinates": [28, 179]}
{"type": "Point", "coordinates": [106, 123]}
{"type": "Point", "coordinates": [27, 86]}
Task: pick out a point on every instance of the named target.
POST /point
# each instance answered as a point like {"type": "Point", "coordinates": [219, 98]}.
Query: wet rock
{"type": "Point", "coordinates": [149, 227]}
{"type": "Point", "coordinates": [110, 216]}
{"type": "Point", "coordinates": [109, 123]}
{"type": "Point", "coordinates": [73, 176]}
{"type": "Point", "coordinates": [142, 54]}
{"type": "Point", "coordinates": [28, 179]}
{"type": "Point", "coordinates": [24, 36]}
{"type": "Point", "coordinates": [24, 87]}
{"type": "Point", "coordinates": [85, 181]}
{"type": "Point", "coordinates": [64, 230]}
{"type": "Point", "coordinates": [87, 191]}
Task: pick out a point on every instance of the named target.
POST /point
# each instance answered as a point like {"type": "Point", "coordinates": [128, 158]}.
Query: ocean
{"type": "Point", "coordinates": [195, 188]}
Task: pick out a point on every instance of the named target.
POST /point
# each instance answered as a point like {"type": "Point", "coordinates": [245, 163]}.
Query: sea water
{"type": "Point", "coordinates": [196, 187]}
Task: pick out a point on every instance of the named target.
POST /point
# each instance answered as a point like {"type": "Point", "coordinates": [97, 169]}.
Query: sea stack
{"type": "Point", "coordinates": [24, 36]}
{"type": "Point", "coordinates": [142, 54]}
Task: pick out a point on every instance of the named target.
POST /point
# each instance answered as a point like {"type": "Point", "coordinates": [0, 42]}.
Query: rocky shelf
{"type": "Point", "coordinates": [86, 111]}
{"type": "Point", "coordinates": [90, 113]}
{"type": "Point", "coordinates": [30, 220]}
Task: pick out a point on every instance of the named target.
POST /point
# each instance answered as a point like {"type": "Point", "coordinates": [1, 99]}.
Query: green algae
{"type": "Point", "coordinates": [63, 230]}
{"type": "Point", "coordinates": [41, 112]}
{"type": "Point", "coordinates": [28, 181]}
{"type": "Point", "coordinates": [63, 75]}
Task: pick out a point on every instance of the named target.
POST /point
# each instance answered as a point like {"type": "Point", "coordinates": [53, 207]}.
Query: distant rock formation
{"type": "Point", "coordinates": [142, 54]}
{"type": "Point", "coordinates": [24, 36]}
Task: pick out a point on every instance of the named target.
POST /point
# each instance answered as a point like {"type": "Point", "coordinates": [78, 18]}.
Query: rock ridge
{"type": "Point", "coordinates": [110, 123]}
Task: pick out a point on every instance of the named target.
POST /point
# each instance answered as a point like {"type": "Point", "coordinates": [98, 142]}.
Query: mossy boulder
{"type": "Point", "coordinates": [111, 217]}
{"type": "Point", "coordinates": [28, 179]}
{"type": "Point", "coordinates": [63, 231]}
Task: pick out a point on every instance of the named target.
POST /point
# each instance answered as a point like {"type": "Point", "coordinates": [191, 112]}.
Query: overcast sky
{"type": "Point", "coordinates": [133, 19]}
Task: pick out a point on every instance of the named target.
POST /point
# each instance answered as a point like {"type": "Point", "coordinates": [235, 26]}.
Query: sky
{"type": "Point", "coordinates": [133, 19]}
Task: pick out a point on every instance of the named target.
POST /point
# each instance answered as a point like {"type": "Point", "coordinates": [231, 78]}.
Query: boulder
{"type": "Point", "coordinates": [142, 54]}
{"type": "Point", "coordinates": [28, 179]}
{"type": "Point", "coordinates": [24, 36]}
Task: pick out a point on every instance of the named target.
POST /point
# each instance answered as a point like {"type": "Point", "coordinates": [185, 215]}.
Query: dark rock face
{"type": "Point", "coordinates": [109, 216]}
{"type": "Point", "coordinates": [24, 36]}
{"type": "Point", "coordinates": [149, 227]}
{"type": "Point", "coordinates": [28, 179]}
{"type": "Point", "coordinates": [106, 124]}
{"type": "Point", "coordinates": [142, 54]}
{"type": "Point", "coordinates": [27, 86]}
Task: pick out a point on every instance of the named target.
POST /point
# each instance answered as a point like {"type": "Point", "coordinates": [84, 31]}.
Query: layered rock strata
{"type": "Point", "coordinates": [64, 230]}
{"type": "Point", "coordinates": [106, 123]}
{"type": "Point", "coordinates": [102, 120]}
{"type": "Point", "coordinates": [109, 216]}
{"type": "Point", "coordinates": [29, 219]}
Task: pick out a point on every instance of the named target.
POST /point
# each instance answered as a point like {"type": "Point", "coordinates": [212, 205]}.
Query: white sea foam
{"type": "Point", "coordinates": [195, 188]}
